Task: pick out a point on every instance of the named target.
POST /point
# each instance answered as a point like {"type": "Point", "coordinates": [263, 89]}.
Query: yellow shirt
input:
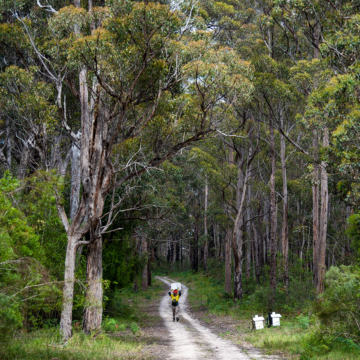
{"type": "Point", "coordinates": [175, 297]}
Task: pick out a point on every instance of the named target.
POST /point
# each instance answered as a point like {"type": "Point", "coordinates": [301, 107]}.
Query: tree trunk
{"type": "Point", "coordinates": [75, 181]}
{"type": "Point", "coordinates": [273, 222]}
{"type": "Point", "coordinates": [323, 218]}
{"type": "Point", "coordinates": [248, 239]}
{"type": "Point", "coordinates": [94, 292]}
{"type": "Point", "coordinates": [177, 250]}
{"type": "Point", "coordinates": [181, 252]}
{"type": "Point", "coordinates": [238, 259]}
{"type": "Point", "coordinates": [8, 143]}
{"type": "Point", "coordinates": [228, 261]}
{"type": "Point", "coordinates": [315, 192]}
{"type": "Point", "coordinates": [237, 241]}
{"type": "Point", "coordinates": [267, 233]}
{"type": "Point", "coordinates": [285, 231]}
{"type": "Point", "coordinates": [168, 255]}
{"type": "Point", "coordinates": [25, 155]}
{"type": "Point", "coordinates": [144, 276]}
{"type": "Point", "coordinates": [256, 255]}
{"type": "Point", "coordinates": [196, 245]}
{"type": "Point", "coordinates": [151, 259]}
{"type": "Point", "coordinates": [68, 290]}
{"type": "Point", "coordinates": [205, 228]}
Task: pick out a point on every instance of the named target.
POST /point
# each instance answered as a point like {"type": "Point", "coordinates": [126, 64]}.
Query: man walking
{"type": "Point", "coordinates": [175, 295]}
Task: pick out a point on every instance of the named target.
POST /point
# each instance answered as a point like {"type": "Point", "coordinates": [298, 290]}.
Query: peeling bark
{"type": "Point", "coordinates": [94, 293]}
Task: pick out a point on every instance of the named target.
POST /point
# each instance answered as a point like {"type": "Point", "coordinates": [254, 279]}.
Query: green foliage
{"type": "Point", "coordinates": [303, 321]}
{"type": "Point", "coordinates": [338, 309]}
{"type": "Point", "coordinates": [112, 325]}
{"type": "Point", "coordinates": [10, 315]}
{"type": "Point", "coordinates": [134, 328]}
{"type": "Point", "coordinates": [354, 230]}
{"type": "Point", "coordinates": [28, 234]}
{"type": "Point", "coordinates": [313, 344]}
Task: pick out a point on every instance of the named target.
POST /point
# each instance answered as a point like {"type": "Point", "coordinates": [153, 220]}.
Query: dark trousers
{"type": "Point", "coordinates": [175, 310]}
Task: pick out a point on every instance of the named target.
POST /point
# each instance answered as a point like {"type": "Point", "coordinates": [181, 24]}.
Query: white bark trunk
{"type": "Point", "coordinates": [75, 181]}
{"type": "Point", "coordinates": [68, 290]}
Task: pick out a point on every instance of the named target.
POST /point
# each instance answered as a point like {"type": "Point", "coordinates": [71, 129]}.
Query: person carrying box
{"type": "Point", "coordinates": [175, 296]}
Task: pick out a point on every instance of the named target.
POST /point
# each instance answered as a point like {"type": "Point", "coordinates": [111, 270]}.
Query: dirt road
{"type": "Point", "coordinates": [191, 340]}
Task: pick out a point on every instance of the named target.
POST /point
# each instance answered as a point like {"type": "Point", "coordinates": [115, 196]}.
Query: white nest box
{"type": "Point", "coordinates": [275, 319]}
{"type": "Point", "coordinates": [258, 322]}
{"type": "Point", "coordinates": [175, 286]}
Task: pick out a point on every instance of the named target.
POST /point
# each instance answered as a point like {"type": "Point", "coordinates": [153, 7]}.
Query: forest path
{"type": "Point", "coordinates": [191, 340]}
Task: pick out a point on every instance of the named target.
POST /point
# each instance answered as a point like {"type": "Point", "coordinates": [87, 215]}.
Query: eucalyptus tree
{"type": "Point", "coordinates": [147, 88]}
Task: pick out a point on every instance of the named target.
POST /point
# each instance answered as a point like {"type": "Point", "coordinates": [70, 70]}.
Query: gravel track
{"type": "Point", "coordinates": [191, 340]}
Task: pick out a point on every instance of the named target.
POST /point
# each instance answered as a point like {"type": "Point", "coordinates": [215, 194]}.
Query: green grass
{"type": "Point", "coordinates": [121, 337]}
{"type": "Point", "coordinates": [45, 344]}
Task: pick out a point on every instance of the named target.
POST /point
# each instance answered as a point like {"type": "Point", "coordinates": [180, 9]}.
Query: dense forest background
{"type": "Point", "coordinates": [221, 137]}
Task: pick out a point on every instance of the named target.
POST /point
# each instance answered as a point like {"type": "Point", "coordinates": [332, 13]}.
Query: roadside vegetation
{"type": "Point", "coordinates": [121, 336]}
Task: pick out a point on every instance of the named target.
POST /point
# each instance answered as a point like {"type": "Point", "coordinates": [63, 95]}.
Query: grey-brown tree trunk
{"type": "Point", "coordinates": [323, 218]}
{"type": "Point", "coordinates": [206, 244]}
{"type": "Point", "coordinates": [315, 193]}
{"type": "Point", "coordinates": [94, 293]}
{"type": "Point", "coordinates": [256, 255]}
{"type": "Point", "coordinates": [273, 220]}
{"type": "Point", "coordinates": [285, 230]}
{"type": "Point", "coordinates": [228, 238]}
{"type": "Point", "coordinates": [248, 237]}
{"type": "Point", "coordinates": [144, 276]}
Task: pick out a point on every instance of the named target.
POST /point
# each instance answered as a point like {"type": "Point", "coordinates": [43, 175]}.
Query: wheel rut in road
{"type": "Point", "coordinates": [191, 340]}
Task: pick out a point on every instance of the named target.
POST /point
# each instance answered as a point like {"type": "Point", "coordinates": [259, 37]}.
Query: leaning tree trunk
{"type": "Point", "coordinates": [273, 223]}
{"type": "Point", "coordinates": [237, 241]}
{"type": "Point", "coordinates": [323, 218]}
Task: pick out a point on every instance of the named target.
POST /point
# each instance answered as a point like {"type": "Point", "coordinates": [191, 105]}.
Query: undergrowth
{"type": "Point", "coordinates": [121, 335]}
